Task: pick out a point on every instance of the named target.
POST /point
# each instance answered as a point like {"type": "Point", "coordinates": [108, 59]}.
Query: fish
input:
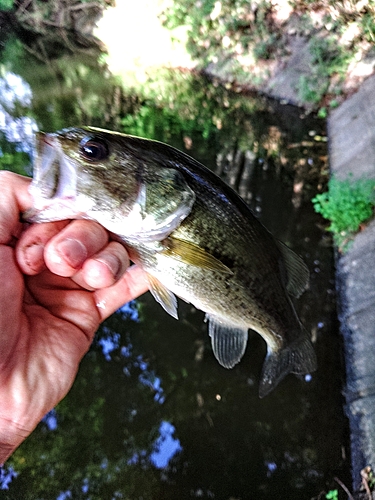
{"type": "Point", "coordinates": [190, 232]}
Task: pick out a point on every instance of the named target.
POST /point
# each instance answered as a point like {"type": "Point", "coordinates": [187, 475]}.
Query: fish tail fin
{"type": "Point", "coordinates": [298, 357]}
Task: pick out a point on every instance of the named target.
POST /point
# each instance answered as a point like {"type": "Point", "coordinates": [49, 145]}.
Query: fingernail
{"type": "Point", "coordinates": [33, 255]}
{"type": "Point", "coordinates": [73, 252]}
{"type": "Point", "coordinates": [112, 263]}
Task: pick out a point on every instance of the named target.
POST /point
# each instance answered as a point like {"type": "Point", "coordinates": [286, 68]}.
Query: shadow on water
{"type": "Point", "coordinates": [152, 415]}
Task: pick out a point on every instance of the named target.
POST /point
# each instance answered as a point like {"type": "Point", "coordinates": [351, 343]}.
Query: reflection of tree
{"type": "Point", "coordinates": [233, 444]}
{"type": "Point", "coordinates": [180, 104]}
{"type": "Point", "coordinates": [13, 159]}
{"type": "Point", "coordinates": [56, 54]}
{"type": "Point", "coordinates": [71, 90]}
{"type": "Point", "coordinates": [108, 418]}
{"type": "Point", "coordinates": [50, 27]}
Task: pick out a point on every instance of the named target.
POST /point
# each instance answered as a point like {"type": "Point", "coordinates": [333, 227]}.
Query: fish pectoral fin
{"type": "Point", "coordinates": [297, 271]}
{"type": "Point", "coordinates": [192, 254]}
{"type": "Point", "coordinates": [161, 294]}
{"type": "Point", "coordinates": [298, 357]}
{"type": "Point", "coordinates": [228, 341]}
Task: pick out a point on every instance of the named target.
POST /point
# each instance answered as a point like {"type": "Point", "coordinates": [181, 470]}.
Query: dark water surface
{"type": "Point", "coordinates": [152, 415]}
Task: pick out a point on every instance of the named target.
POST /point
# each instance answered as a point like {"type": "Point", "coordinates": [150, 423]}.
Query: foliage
{"type": "Point", "coordinates": [180, 106]}
{"type": "Point", "coordinates": [11, 52]}
{"type": "Point", "coordinates": [40, 16]}
{"type": "Point", "coordinates": [157, 122]}
{"type": "Point", "coordinates": [6, 4]}
{"type": "Point", "coordinates": [11, 158]}
{"type": "Point", "coordinates": [224, 28]}
{"type": "Point", "coordinates": [332, 495]}
{"type": "Point", "coordinates": [347, 204]}
{"type": "Point", "coordinates": [367, 22]}
{"type": "Point", "coordinates": [243, 36]}
{"type": "Point", "coordinates": [328, 59]}
{"type": "Point", "coordinates": [75, 89]}
{"type": "Point", "coordinates": [16, 162]}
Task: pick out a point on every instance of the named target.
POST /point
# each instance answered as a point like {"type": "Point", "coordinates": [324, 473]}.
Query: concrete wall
{"type": "Point", "coordinates": [351, 132]}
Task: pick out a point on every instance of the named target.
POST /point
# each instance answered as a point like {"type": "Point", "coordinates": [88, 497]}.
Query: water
{"type": "Point", "coordinates": [152, 415]}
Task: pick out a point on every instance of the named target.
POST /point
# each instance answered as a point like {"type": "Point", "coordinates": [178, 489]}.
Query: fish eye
{"type": "Point", "coordinates": [94, 149]}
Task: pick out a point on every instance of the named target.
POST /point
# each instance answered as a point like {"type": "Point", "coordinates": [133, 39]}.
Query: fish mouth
{"type": "Point", "coordinates": [54, 185]}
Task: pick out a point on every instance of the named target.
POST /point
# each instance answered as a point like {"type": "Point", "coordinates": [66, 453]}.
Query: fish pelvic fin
{"type": "Point", "coordinates": [228, 341]}
{"type": "Point", "coordinates": [161, 294]}
{"type": "Point", "coordinates": [299, 357]}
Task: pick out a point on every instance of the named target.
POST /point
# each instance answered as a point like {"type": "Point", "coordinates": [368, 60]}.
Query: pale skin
{"type": "Point", "coordinates": [58, 282]}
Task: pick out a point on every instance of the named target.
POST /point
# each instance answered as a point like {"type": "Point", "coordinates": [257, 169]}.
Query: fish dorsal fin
{"type": "Point", "coordinates": [161, 294]}
{"type": "Point", "coordinates": [228, 341]}
{"type": "Point", "coordinates": [297, 271]}
{"type": "Point", "coordinates": [192, 254]}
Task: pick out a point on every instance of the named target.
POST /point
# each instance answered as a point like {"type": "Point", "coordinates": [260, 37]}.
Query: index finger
{"type": "Point", "coordinates": [132, 284]}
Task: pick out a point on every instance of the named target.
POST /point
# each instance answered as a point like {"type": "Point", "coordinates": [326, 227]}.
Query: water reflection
{"type": "Point", "coordinates": [50, 420]}
{"type": "Point", "coordinates": [7, 474]}
{"type": "Point", "coordinates": [15, 97]}
{"type": "Point", "coordinates": [152, 414]}
{"type": "Point", "coordinates": [16, 128]}
{"type": "Point", "coordinates": [166, 446]}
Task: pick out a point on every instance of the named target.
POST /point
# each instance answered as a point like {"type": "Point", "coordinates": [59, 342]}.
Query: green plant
{"type": "Point", "coordinates": [322, 113]}
{"type": "Point", "coordinates": [332, 495]}
{"type": "Point", "coordinates": [368, 26]}
{"type": "Point", "coordinates": [217, 29]}
{"type": "Point", "coordinates": [347, 204]}
{"type": "Point", "coordinates": [6, 4]}
{"type": "Point", "coordinates": [311, 88]}
{"type": "Point", "coordinates": [17, 162]}
{"type": "Point", "coordinates": [328, 58]}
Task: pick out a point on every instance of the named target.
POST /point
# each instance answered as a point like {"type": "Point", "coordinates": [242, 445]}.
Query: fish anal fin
{"type": "Point", "coordinates": [298, 357]}
{"type": "Point", "coordinates": [192, 254]}
{"type": "Point", "coordinates": [161, 294]}
{"type": "Point", "coordinates": [228, 341]}
{"type": "Point", "coordinates": [297, 271]}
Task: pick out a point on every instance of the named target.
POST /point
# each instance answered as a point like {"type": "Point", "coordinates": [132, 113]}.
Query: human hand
{"type": "Point", "coordinates": [58, 281]}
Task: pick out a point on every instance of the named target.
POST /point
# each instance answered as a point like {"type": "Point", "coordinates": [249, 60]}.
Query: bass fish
{"type": "Point", "coordinates": [190, 232]}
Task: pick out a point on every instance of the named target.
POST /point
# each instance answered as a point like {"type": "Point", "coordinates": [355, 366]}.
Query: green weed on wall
{"type": "Point", "coordinates": [347, 204]}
